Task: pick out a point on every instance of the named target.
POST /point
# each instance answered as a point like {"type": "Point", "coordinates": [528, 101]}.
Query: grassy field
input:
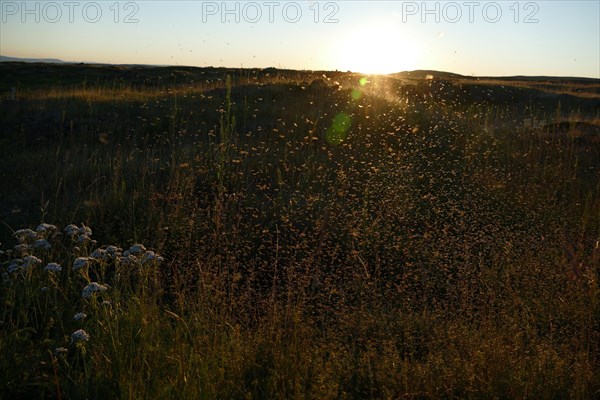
{"type": "Point", "coordinates": [309, 235]}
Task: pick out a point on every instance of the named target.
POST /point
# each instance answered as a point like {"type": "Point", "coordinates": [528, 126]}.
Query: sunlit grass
{"type": "Point", "coordinates": [444, 244]}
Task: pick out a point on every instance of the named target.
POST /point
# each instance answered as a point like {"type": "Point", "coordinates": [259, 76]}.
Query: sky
{"type": "Point", "coordinates": [482, 38]}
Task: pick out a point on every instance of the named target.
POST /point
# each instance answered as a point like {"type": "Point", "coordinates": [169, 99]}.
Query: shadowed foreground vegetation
{"type": "Point", "coordinates": [321, 235]}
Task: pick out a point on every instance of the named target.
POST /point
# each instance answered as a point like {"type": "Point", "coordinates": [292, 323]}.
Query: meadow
{"type": "Point", "coordinates": [187, 233]}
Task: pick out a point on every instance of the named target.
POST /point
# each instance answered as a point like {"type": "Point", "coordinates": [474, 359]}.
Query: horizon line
{"type": "Point", "coordinates": [58, 61]}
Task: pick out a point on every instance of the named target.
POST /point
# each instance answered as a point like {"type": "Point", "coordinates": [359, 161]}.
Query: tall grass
{"type": "Point", "coordinates": [447, 247]}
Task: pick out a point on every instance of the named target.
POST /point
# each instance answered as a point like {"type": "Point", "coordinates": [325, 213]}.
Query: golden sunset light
{"type": "Point", "coordinates": [312, 200]}
{"type": "Point", "coordinates": [375, 50]}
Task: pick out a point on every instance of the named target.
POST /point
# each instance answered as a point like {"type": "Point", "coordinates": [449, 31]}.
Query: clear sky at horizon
{"type": "Point", "coordinates": [485, 38]}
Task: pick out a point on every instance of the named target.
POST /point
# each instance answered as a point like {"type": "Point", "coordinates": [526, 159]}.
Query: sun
{"type": "Point", "coordinates": [374, 50]}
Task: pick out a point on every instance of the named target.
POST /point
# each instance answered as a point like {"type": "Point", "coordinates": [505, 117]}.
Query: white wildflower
{"type": "Point", "coordinates": [81, 262]}
{"type": "Point", "coordinates": [25, 235]}
{"type": "Point", "coordinates": [79, 336]}
{"type": "Point", "coordinates": [14, 265]}
{"type": "Point", "coordinates": [106, 303]}
{"type": "Point", "coordinates": [92, 288]}
{"type": "Point", "coordinates": [110, 253]}
{"type": "Point", "coordinates": [149, 256]}
{"type": "Point", "coordinates": [113, 251]}
{"type": "Point", "coordinates": [85, 230]}
{"type": "Point", "coordinates": [79, 316]}
{"type": "Point", "coordinates": [53, 267]}
{"type": "Point", "coordinates": [83, 239]}
{"type": "Point", "coordinates": [31, 261]}
{"type": "Point", "coordinates": [60, 350]}
{"type": "Point", "coordinates": [98, 254]}
{"type": "Point", "coordinates": [42, 244]}
{"type": "Point", "coordinates": [71, 230]}
{"type": "Point", "coordinates": [24, 232]}
{"type": "Point", "coordinates": [43, 227]}
{"type": "Point", "coordinates": [136, 250]}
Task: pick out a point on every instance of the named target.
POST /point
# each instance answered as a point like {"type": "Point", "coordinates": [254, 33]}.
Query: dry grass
{"type": "Point", "coordinates": [444, 248]}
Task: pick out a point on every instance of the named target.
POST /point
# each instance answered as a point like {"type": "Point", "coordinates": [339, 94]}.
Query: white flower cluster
{"type": "Point", "coordinates": [42, 239]}
{"type": "Point", "coordinates": [138, 252]}
{"type": "Point", "coordinates": [14, 265]}
{"type": "Point", "coordinates": [71, 230]}
{"type": "Point", "coordinates": [25, 235]}
{"type": "Point", "coordinates": [79, 336]}
{"type": "Point", "coordinates": [80, 316]}
{"type": "Point", "coordinates": [30, 261]}
{"type": "Point", "coordinates": [135, 250]}
{"type": "Point", "coordinates": [81, 262]}
{"type": "Point", "coordinates": [149, 257]}
{"type": "Point", "coordinates": [53, 267]}
{"type": "Point", "coordinates": [43, 244]}
{"type": "Point", "coordinates": [106, 254]}
{"type": "Point", "coordinates": [35, 247]}
{"type": "Point", "coordinates": [38, 239]}
{"type": "Point", "coordinates": [81, 234]}
{"type": "Point", "coordinates": [92, 288]}
{"type": "Point", "coordinates": [46, 228]}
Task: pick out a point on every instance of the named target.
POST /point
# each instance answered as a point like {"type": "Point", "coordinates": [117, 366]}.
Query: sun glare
{"type": "Point", "coordinates": [374, 50]}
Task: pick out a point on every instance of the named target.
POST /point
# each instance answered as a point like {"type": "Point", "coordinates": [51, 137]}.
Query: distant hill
{"type": "Point", "coordinates": [31, 60]}
{"type": "Point", "coordinates": [425, 73]}
{"type": "Point", "coordinates": [548, 79]}
{"type": "Point", "coordinates": [428, 74]}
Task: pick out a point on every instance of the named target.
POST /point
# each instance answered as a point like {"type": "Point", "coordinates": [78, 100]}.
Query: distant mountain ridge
{"type": "Point", "coordinates": [32, 60]}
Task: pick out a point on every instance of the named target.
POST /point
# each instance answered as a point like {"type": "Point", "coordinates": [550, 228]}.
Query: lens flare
{"type": "Point", "coordinates": [356, 94]}
{"type": "Point", "coordinates": [338, 131]}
